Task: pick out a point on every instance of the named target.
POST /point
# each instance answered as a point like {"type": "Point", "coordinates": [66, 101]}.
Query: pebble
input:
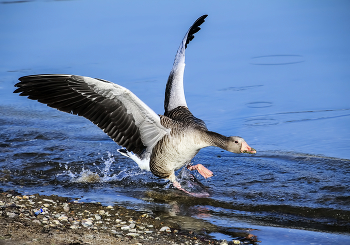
{"type": "Point", "coordinates": [125, 228]}
{"type": "Point", "coordinates": [37, 222]}
{"type": "Point", "coordinates": [165, 228]}
{"type": "Point", "coordinates": [86, 222]}
{"type": "Point", "coordinates": [133, 234]}
{"type": "Point", "coordinates": [65, 207]}
{"type": "Point", "coordinates": [56, 222]}
{"type": "Point", "coordinates": [49, 200]}
{"type": "Point", "coordinates": [63, 218]}
{"type": "Point", "coordinates": [11, 215]}
{"type": "Point", "coordinates": [224, 242]}
{"type": "Point", "coordinates": [97, 217]}
{"type": "Point", "coordinates": [74, 227]}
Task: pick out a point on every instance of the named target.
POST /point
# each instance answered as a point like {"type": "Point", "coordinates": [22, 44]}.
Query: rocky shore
{"type": "Point", "coordinates": [37, 219]}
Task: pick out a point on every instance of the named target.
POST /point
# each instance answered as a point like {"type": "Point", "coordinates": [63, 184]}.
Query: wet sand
{"type": "Point", "coordinates": [38, 219]}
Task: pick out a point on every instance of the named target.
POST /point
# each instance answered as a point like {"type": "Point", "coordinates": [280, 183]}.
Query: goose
{"type": "Point", "coordinates": [161, 144]}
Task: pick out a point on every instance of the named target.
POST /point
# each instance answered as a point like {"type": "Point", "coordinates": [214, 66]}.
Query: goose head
{"type": "Point", "coordinates": [238, 145]}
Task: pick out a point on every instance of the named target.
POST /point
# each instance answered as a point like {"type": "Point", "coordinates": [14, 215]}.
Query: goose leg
{"type": "Point", "coordinates": [206, 173]}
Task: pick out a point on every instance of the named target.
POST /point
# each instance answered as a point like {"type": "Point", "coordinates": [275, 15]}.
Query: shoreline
{"type": "Point", "coordinates": [40, 219]}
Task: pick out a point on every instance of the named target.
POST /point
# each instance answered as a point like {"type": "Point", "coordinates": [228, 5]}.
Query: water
{"type": "Point", "coordinates": [274, 73]}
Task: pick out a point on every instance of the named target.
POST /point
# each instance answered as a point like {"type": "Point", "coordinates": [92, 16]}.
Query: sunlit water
{"type": "Point", "coordinates": [275, 74]}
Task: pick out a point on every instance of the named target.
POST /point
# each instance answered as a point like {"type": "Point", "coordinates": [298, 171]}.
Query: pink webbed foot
{"type": "Point", "coordinates": [206, 173]}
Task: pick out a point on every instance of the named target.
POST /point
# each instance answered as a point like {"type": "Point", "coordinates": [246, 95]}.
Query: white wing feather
{"type": "Point", "coordinates": [145, 118]}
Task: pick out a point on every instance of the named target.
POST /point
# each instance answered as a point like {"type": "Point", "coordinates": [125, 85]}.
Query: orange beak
{"type": "Point", "coordinates": [247, 149]}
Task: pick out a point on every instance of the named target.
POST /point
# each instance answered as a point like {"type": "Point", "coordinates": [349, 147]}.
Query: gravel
{"type": "Point", "coordinates": [37, 219]}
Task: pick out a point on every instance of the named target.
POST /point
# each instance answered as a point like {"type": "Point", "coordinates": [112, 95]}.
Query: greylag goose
{"type": "Point", "coordinates": [159, 143]}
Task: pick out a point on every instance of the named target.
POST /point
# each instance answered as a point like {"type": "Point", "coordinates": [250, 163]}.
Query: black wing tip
{"type": "Point", "coordinates": [26, 79]}
{"type": "Point", "coordinates": [195, 28]}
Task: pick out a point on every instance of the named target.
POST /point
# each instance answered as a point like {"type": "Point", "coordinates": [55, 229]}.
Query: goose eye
{"type": "Point", "coordinates": [236, 141]}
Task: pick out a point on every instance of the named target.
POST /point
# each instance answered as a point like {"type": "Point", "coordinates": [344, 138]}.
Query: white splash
{"type": "Point", "coordinates": [101, 175]}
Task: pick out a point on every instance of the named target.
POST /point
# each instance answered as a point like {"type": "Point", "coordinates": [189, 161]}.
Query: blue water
{"type": "Point", "coordinates": [276, 73]}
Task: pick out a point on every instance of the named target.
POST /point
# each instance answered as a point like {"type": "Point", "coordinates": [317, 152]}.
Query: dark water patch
{"type": "Point", "coordinates": [282, 215]}
{"type": "Point", "coordinates": [335, 188]}
{"type": "Point", "coordinates": [10, 2]}
{"type": "Point", "coordinates": [277, 60]}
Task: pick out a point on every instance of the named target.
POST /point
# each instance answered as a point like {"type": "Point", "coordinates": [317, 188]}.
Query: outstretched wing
{"type": "Point", "coordinates": [174, 92]}
{"type": "Point", "coordinates": [113, 108]}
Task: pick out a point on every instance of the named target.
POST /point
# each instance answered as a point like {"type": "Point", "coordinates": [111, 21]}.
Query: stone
{"type": "Point", "coordinates": [36, 222]}
{"type": "Point", "coordinates": [224, 242]}
{"type": "Point", "coordinates": [86, 222]}
{"type": "Point", "coordinates": [63, 218]}
{"type": "Point", "coordinates": [165, 228]}
{"type": "Point", "coordinates": [49, 200]}
{"type": "Point", "coordinates": [125, 228]}
{"type": "Point", "coordinates": [11, 215]}
{"type": "Point", "coordinates": [65, 207]}
{"type": "Point", "coordinates": [56, 222]}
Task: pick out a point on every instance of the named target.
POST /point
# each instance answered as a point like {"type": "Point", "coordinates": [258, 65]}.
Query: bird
{"type": "Point", "coordinates": [158, 143]}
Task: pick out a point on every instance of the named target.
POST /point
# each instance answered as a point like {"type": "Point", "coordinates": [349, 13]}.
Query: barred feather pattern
{"type": "Point", "coordinates": [178, 148]}
{"type": "Point", "coordinates": [71, 94]}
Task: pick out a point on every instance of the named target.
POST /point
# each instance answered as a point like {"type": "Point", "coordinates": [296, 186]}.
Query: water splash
{"type": "Point", "coordinates": [102, 174]}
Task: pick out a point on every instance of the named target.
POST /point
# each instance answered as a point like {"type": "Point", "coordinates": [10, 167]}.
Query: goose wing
{"type": "Point", "coordinates": [174, 92]}
{"type": "Point", "coordinates": [113, 108]}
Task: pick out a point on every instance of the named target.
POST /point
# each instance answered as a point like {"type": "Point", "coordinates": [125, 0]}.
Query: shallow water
{"type": "Point", "coordinates": [277, 77]}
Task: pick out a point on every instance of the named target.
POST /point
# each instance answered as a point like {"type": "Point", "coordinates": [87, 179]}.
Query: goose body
{"type": "Point", "coordinates": [159, 143]}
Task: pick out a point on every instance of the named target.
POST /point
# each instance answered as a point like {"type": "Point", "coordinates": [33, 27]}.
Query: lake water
{"type": "Point", "coordinates": [276, 73]}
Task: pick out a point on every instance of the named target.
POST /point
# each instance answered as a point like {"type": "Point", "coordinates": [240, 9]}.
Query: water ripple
{"type": "Point", "coordinates": [292, 117]}
{"type": "Point", "coordinates": [277, 60]}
